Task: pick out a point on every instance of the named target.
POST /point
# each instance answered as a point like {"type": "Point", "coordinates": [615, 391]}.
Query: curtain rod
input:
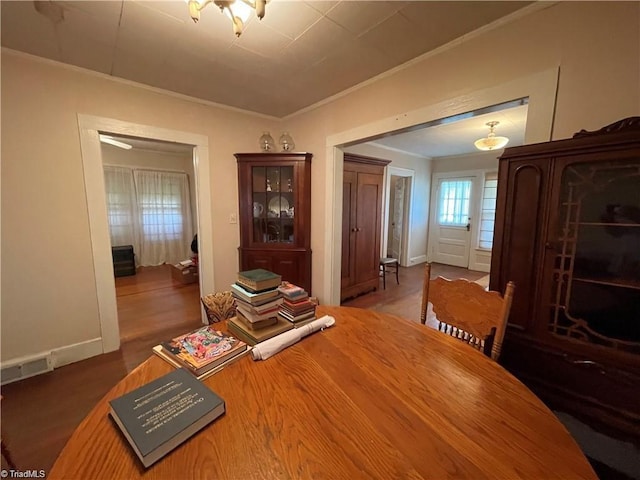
{"type": "Point", "coordinates": [146, 168]}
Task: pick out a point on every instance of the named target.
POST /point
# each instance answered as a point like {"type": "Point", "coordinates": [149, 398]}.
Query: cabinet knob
{"type": "Point", "coordinates": [354, 229]}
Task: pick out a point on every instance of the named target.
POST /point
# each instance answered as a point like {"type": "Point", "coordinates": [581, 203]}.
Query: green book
{"type": "Point", "coordinates": [259, 279]}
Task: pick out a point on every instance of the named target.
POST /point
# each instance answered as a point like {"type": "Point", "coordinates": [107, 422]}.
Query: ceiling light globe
{"type": "Point", "coordinates": [491, 143]}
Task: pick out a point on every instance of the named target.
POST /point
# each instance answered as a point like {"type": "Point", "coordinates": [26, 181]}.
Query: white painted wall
{"type": "Point", "coordinates": [48, 286]}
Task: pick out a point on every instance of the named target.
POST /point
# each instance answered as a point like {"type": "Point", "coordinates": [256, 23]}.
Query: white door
{"type": "Point", "coordinates": [452, 223]}
{"type": "Point", "coordinates": [397, 216]}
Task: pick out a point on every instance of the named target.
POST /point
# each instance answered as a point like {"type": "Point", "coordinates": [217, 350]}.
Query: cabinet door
{"type": "Point", "coordinates": [273, 204]}
{"type": "Point", "coordinates": [592, 273]}
{"type": "Point", "coordinates": [520, 219]}
{"type": "Point", "coordinates": [349, 187]}
{"type": "Point", "coordinates": [368, 224]}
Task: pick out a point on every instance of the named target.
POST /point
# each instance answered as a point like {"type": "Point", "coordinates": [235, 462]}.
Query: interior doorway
{"type": "Point", "coordinates": [397, 221]}
{"type": "Point", "coordinates": [152, 216]}
{"type": "Point", "coordinates": [90, 128]}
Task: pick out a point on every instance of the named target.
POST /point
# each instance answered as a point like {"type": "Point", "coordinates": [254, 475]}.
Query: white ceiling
{"type": "Point", "coordinates": [301, 53]}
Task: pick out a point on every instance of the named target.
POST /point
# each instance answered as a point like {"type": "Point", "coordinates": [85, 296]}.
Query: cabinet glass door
{"type": "Point", "coordinates": [596, 287]}
{"type": "Point", "coordinates": [273, 196]}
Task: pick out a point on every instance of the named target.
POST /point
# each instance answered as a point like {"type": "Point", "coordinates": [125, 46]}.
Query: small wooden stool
{"type": "Point", "coordinates": [387, 265]}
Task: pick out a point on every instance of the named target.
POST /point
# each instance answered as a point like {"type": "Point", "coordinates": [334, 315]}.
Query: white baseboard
{"type": "Point", "coordinates": [417, 260]}
{"type": "Point", "coordinates": [76, 352]}
{"type": "Point", "coordinates": [24, 367]}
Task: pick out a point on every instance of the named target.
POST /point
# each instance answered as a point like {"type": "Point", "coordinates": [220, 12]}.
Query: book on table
{"type": "Point", "coordinates": [254, 316]}
{"type": "Point", "coordinates": [253, 337]}
{"type": "Point", "coordinates": [269, 305]}
{"type": "Point", "coordinates": [254, 298]}
{"type": "Point", "coordinates": [291, 291]}
{"type": "Point", "coordinates": [297, 308]}
{"type": "Point", "coordinates": [162, 414]}
{"type": "Point", "coordinates": [297, 318]}
{"type": "Point", "coordinates": [256, 325]}
{"type": "Point", "coordinates": [301, 321]}
{"type": "Point", "coordinates": [203, 349]}
{"type": "Point", "coordinates": [258, 279]}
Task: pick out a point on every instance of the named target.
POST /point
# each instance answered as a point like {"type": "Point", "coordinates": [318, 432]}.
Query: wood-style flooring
{"type": "Point", "coordinates": [39, 414]}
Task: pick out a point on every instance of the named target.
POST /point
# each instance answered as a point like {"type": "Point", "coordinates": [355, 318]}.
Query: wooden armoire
{"type": "Point", "coordinates": [567, 232]}
{"type": "Point", "coordinates": [362, 198]}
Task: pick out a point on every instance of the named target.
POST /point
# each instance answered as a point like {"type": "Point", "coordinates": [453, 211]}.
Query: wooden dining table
{"type": "Point", "coordinates": [374, 396]}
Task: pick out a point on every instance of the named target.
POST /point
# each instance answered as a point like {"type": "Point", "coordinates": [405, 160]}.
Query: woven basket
{"type": "Point", "coordinates": [219, 306]}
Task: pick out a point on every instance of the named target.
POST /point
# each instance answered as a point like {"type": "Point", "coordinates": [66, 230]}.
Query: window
{"type": "Point", "coordinates": [488, 211]}
{"type": "Point", "coordinates": [454, 202]}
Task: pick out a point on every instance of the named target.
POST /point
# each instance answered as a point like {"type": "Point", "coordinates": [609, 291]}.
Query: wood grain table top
{"type": "Point", "coordinates": [374, 396]}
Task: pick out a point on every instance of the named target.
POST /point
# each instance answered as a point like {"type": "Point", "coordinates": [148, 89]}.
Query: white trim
{"type": "Point", "coordinates": [76, 352]}
{"type": "Point", "coordinates": [541, 89]}
{"type": "Point", "coordinates": [406, 228]}
{"type": "Point", "coordinates": [89, 127]}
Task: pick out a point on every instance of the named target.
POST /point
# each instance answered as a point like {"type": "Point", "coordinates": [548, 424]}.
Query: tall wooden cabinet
{"type": "Point", "coordinates": [274, 191]}
{"type": "Point", "coordinates": [567, 233]}
{"type": "Point", "coordinates": [362, 197]}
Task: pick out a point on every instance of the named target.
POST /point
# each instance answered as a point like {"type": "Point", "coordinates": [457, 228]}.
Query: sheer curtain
{"type": "Point", "coordinates": [121, 207]}
{"type": "Point", "coordinates": [150, 210]}
{"type": "Point", "coordinates": [164, 211]}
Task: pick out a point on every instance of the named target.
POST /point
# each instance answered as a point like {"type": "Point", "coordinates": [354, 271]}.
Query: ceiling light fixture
{"type": "Point", "coordinates": [491, 142]}
{"type": "Point", "coordinates": [237, 10]}
{"type": "Point", "coordinates": [114, 142]}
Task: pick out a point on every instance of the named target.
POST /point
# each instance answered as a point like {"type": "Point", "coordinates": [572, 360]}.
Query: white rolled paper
{"type": "Point", "coordinates": [270, 347]}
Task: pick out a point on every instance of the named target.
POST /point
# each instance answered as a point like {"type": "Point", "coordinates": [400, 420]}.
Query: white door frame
{"type": "Point", "coordinates": [406, 227]}
{"type": "Point", "coordinates": [539, 87]}
{"type": "Point", "coordinates": [89, 126]}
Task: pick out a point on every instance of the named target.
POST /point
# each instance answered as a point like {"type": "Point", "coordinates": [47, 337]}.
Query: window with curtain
{"type": "Point", "coordinates": [121, 205]}
{"type": "Point", "coordinates": [151, 211]}
{"type": "Point", "coordinates": [488, 211]}
{"type": "Point", "coordinates": [454, 202]}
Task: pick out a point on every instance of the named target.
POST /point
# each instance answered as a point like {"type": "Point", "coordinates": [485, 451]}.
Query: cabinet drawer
{"type": "Point", "coordinates": [576, 383]}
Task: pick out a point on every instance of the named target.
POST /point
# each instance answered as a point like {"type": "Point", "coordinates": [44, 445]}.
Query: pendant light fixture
{"type": "Point", "coordinates": [491, 142]}
{"type": "Point", "coordinates": [237, 10]}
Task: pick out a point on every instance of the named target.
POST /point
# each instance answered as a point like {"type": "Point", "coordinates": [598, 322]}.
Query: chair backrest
{"type": "Point", "coordinates": [467, 311]}
{"type": "Point", "coordinates": [219, 306]}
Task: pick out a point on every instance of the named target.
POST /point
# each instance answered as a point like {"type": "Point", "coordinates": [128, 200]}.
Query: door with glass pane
{"type": "Point", "coordinates": [451, 237]}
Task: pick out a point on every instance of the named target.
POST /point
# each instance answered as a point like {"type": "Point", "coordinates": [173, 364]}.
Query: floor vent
{"type": "Point", "coordinates": [26, 368]}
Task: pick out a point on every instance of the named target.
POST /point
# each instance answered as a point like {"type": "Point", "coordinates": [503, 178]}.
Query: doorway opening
{"type": "Point", "coordinates": [397, 221]}
{"type": "Point", "coordinates": [90, 128]}
{"type": "Point", "coordinates": [151, 211]}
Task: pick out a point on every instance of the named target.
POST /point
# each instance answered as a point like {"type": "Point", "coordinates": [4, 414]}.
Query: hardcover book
{"type": "Point", "coordinates": [254, 298]}
{"type": "Point", "coordinates": [253, 337]}
{"type": "Point", "coordinates": [291, 291]}
{"type": "Point", "coordinates": [203, 349]}
{"type": "Point", "coordinates": [259, 279]}
{"type": "Point", "coordinates": [162, 414]}
{"type": "Point", "coordinates": [251, 325]}
{"type": "Point", "coordinates": [269, 305]}
{"type": "Point", "coordinates": [256, 317]}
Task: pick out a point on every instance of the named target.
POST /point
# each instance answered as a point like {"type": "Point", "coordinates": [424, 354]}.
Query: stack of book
{"type": "Point", "coordinates": [296, 306]}
{"type": "Point", "coordinates": [201, 351]}
{"type": "Point", "coordinates": [258, 302]}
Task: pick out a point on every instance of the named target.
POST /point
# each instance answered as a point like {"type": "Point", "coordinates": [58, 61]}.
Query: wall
{"type": "Point", "coordinates": [48, 283]}
{"type": "Point", "coordinates": [473, 161]}
{"type": "Point", "coordinates": [46, 249]}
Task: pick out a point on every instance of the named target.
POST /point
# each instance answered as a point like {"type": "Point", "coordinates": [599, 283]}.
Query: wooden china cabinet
{"type": "Point", "coordinates": [567, 233]}
{"type": "Point", "coordinates": [274, 191]}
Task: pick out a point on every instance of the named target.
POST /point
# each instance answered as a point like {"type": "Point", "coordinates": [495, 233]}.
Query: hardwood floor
{"type": "Point", "coordinates": [39, 414]}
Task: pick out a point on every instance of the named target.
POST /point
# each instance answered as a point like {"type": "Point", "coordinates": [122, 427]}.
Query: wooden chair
{"type": "Point", "coordinates": [467, 311]}
{"type": "Point", "coordinates": [219, 306]}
